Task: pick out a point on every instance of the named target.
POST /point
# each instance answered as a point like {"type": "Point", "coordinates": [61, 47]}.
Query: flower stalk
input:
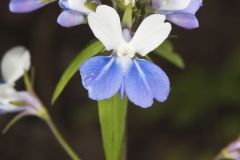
{"type": "Point", "coordinates": [68, 149]}
{"type": "Point", "coordinates": [45, 116]}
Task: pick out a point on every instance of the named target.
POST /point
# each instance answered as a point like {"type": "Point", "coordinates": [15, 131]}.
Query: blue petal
{"type": "Point", "coordinates": [121, 91]}
{"type": "Point", "coordinates": [22, 6]}
{"type": "Point", "coordinates": [70, 18]}
{"type": "Point", "coordinates": [2, 112]}
{"type": "Point", "coordinates": [2, 81]}
{"type": "Point", "coordinates": [185, 20]}
{"type": "Point", "coordinates": [102, 76]}
{"type": "Point", "coordinates": [64, 4]}
{"type": "Point", "coordinates": [2, 108]}
{"type": "Point", "coordinates": [193, 7]}
{"type": "Point", "coordinates": [145, 81]}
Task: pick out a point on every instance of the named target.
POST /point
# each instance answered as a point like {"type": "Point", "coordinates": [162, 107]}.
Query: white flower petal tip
{"type": "Point", "coordinates": [14, 63]}
{"type": "Point", "coordinates": [150, 34]}
{"type": "Point", "coordinates": [106, 26]}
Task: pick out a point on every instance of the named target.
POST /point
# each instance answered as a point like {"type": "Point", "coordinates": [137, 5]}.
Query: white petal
{"type": "Point", "coordinates": [30, 104]}
{"type": "Point", "coordinates": [79, 5]}
{"type": "Point", "coordinates": [14, 63]}
{"type": "Point", "coordinates": [6, 91]}
{"type": "Point", "coordinates": [106, 26]}
{"type": "Point", "coordinates": [150, 34]}
{"type": "Point", "coordinates": [7, 108]}
{"type": "Point", "coordinates": [31, 101]}
{"type": "Point", "coordinates": [173, 4]}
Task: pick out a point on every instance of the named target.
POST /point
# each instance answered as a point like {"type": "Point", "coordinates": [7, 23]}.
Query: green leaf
{"type": "Point", "coordinates": [166, 51]}
{"type": "Point", "coordinates": [112, 115]}
{"type": "Point", "coordinates": [87, 53]}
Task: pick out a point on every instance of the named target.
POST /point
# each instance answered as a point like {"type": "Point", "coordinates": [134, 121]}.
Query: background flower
{"type": "Point", "coordinates": [14, 64]}
{"type": "Point", "coordinates": [22, 6]}
{"type": "Point", "coordinates": [181, 13]}
{"type": "Point", "coordinates": [74, 13]}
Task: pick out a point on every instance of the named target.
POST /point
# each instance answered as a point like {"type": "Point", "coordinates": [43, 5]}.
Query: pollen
{"type": "Point", "coordinates": [126, 51]}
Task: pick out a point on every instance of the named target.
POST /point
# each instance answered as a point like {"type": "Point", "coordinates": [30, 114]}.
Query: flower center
{"type": "Point", "coordinates": [126, 51]}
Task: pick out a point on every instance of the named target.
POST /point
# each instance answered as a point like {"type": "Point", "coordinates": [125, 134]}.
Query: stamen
{"type": "Point", "coordinates": [126, 51]}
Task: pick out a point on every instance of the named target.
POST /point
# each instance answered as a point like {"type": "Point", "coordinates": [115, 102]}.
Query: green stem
{"type": "Point", "coordinates": [44, 115]}
{"type": "Point", "coordinates": [59, 137]}
{"type": "Point", "coordinates": [28, 83]}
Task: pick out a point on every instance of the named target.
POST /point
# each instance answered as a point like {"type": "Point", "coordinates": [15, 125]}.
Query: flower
{"type": "Point", "coordinates": [179, 12]}
{"type": "Point", "coordinates": [22, 6]}
{"type": "Point", "coordinates": [123, 72]}
{"type": "Point", "coordinates": [14, 64]}
{"type": "Point", "coordinates": [232, 151]}
{"type": "Point", "coordinates": [74, 13]}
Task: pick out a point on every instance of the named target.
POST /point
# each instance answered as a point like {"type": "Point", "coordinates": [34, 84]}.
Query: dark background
{"type": "Point", "coordinates": [200, 117]}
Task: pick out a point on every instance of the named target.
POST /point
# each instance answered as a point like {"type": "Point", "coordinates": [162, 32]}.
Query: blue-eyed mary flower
{"type": "Point", "coordinates": [23, 6]}
{"type": "Point", "coordinates": [75, 12]}
{"type": "Point", "coordinates": [141, 80]}
{"type": "Point", "coordinates": [179, 12]}
{"type": "Point", "coordinates": [14, 64]}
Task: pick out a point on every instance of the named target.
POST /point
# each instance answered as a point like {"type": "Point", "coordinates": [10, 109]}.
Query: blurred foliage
{"type": "Point", "coordinates": [204, 102]}
{"type": "Point", "coordinates": [200, 117]}
{"type": "Point", "coordinates": [165, 50]}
